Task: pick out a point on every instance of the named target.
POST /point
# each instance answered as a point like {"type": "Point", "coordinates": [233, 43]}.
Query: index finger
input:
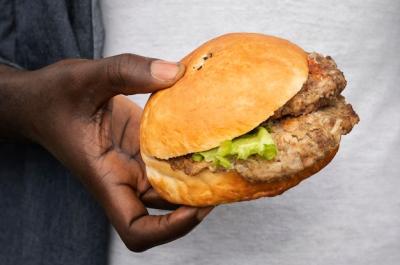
{"type": "Point", "coordinates": [141, 231]}
{"type": "Point", "coordinates": [152, 230]}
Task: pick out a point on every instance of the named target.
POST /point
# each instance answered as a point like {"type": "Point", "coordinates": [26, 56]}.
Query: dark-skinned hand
{"type": "Point", "coordinates": [75, 109]}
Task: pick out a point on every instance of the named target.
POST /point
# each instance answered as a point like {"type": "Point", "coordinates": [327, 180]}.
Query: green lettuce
{"type": "Point", "coordinates": [259, 142]}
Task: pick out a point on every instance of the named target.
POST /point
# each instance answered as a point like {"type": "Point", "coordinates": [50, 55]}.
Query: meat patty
{"type": "Point", "coordinates": [324, 83]}
{"type": "Point", "coordinates": [305, 129]}
{"type": "Point", "coordinates": [301, 142]}
{"type": "Point", "coordinates": [189, 166]}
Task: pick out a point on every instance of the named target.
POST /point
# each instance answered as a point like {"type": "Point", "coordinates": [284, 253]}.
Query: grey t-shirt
{"type": "Point", "coordinates": [347, 214]}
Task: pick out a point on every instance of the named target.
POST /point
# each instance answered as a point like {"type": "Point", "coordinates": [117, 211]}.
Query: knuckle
{"type": "Point", "coordinates": [121, 67]}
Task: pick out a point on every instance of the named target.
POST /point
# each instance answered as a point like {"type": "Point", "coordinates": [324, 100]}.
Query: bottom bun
{"type": "Point", "coordinates": [212, 188]}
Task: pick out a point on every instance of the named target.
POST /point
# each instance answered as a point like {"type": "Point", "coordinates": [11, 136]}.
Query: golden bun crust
{"type": "Point", "coordinates": [245, 78]}
{"type": "Point", "coordinates": [213, 188]}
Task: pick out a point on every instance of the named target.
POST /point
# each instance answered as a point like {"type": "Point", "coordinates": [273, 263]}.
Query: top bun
{"type": "Point", "coordinates": [232, 83]}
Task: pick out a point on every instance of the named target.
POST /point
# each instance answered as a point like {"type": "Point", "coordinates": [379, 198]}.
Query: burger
{"type": "Point", "coordinates": [253, 116]}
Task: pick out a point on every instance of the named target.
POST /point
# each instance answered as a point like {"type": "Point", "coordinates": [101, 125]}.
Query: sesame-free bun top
{"type": "Point", "coordinates": [232, 83]}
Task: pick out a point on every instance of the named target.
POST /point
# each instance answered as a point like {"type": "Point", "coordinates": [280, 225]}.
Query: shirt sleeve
{"type": "Point", "coordinates": [9, 63]}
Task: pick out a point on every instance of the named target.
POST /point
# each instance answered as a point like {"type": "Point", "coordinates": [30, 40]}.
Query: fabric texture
{"type": "Point", "coordinates": [46, 215]}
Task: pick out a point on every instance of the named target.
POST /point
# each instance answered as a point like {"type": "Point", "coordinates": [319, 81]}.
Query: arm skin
{"type": "Point", "coordinates": [74, 109]}
{"type": "Point", "coordinates": [10, 115]}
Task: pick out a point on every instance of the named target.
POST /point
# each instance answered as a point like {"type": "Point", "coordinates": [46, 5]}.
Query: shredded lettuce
{"type": "Point", "coordinates": [259, 143]}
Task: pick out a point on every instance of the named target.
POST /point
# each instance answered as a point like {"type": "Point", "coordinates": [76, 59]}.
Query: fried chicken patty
{"type": "Point", "coordinates": [305, 129]}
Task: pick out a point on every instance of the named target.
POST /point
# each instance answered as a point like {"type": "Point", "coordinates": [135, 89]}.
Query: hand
{"type": "Point", "coordinates": [72, 109]}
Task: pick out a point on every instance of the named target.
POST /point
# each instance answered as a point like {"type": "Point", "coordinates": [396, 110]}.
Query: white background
{"type": "Point", "coordinates": [347, 214]}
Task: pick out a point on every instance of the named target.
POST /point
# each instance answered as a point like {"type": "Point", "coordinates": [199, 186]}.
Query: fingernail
{"type": "Point", "coordinates": [203, 212]}
{"type": "Point", "coordinates": [164, 71]}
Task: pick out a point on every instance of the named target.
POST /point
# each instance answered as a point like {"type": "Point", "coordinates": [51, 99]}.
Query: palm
{"type": "Point", "coordinates": [118, 156]}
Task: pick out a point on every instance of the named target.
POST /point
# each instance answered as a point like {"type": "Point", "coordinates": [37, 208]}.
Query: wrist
{"type": "Point", "coordinates": [15, 105]}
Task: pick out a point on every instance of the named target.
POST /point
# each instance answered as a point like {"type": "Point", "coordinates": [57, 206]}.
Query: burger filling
{"type": "Point", "coordinates": [302, 132]}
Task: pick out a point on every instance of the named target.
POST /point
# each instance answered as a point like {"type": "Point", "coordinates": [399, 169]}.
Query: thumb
{"type": "Point", "coordinates": [132, 74]}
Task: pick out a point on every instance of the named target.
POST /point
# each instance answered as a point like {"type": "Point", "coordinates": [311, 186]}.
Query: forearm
{"type": "Point", "coordinates": [7, 69]}
{"type": "Point", "coordinates": [14, 99]}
